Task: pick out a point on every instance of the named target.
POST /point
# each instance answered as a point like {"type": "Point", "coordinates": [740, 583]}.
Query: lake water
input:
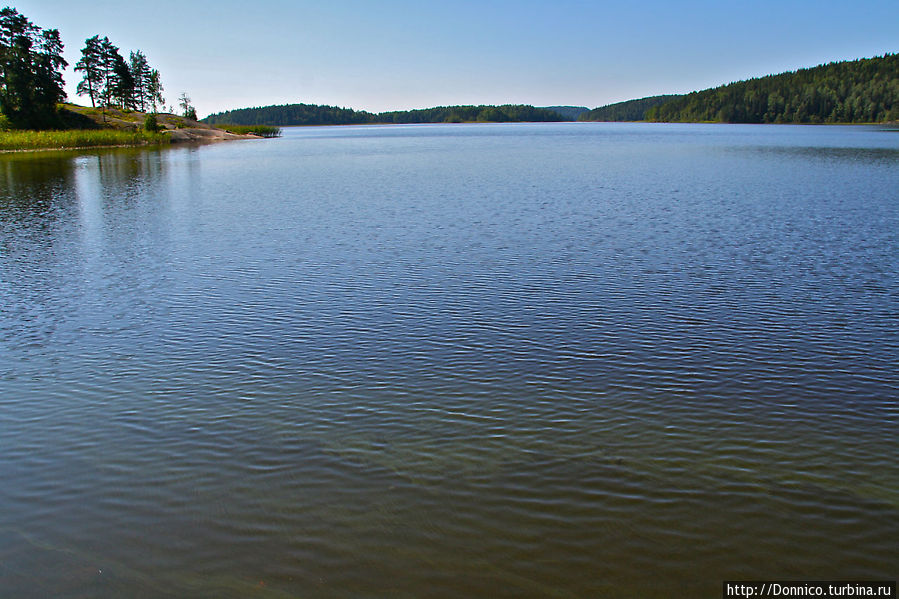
{"type": "Point", "coordinates": [510, 360]}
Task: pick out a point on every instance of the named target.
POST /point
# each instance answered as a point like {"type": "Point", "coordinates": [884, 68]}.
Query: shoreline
{"type": "Point", "coordinates": [86, 127]}
{"type": "Point", "coordinates": [212, 134]}
{"type": "Point", "coordinates": [176, 137]}
{"type": "Point", "coordinates": [892, 124]}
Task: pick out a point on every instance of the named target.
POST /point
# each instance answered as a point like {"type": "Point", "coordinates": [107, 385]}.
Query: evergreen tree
{"type": "Point", "coordinates": [109, 80]}
{"type": "Point", "coordinates": [108, 52]}
{"type": "Point", "coordinates": [187, 110]}
{"type": "Point", "coordinates": [31, 65]}
{"type": "Point", "coordinates": [48, 82]}
{"type": "Point", "coordinates": [118, 85]}
{"type": "Point", "coordinates": [90, 65]}
{"type": "Point", "coordinates": [123, 83]}
{"type": "Point", "coordinates": [140, 74]}
{"type": "Point", "coordinates": [155, 90]}
{"type": "Point", "coordinates": [16, 41]}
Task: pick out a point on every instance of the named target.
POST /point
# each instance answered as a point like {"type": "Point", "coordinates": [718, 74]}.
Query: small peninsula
{"type": "Point", "coordinates": [85, 126]}
{"type": "Point", "coordinates": [172, 127]}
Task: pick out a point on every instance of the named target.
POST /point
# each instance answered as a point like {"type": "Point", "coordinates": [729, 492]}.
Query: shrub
{"type": "Point", "coordinates": [151, 124]}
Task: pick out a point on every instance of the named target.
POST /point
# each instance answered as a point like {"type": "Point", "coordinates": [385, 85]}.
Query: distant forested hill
{"type": "Point", "coordinates": [468, 114]}
{"type": "Point", "coordinates": [631, 110]}
{"type": "Point", "coordinates": [291, 114]}
{"type": "Point", "coordinates": [569, 112]}
{"type": "Point", "coordinates": [858, 91]}
{"type": "Point", "coordinates": [312, 114]}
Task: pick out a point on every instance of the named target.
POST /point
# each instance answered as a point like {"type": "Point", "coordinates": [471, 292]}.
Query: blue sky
{"type": "Point", "coordinates": [399, 54]}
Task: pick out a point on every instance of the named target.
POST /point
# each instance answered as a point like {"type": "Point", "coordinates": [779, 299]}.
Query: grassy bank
{"type": "Point", "coordinates": [77, 138]}
{"type": "Point", "coordinates": [260, 130]}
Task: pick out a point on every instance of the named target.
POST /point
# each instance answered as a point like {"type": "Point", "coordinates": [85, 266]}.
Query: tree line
{"type": "Point", "coordinates": [507, 113]}
{"type": "Point", "coordinates": [291, 114]}
{"type": "Point", "coordinates": [858, 91]}
{"type": "Point", "coordinates": [313, 114]}
{"type": "Point", "coordinates": [108, 80]}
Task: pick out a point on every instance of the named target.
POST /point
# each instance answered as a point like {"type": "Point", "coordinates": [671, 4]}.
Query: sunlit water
{"type": "Point", "coordinates": [567, 360]}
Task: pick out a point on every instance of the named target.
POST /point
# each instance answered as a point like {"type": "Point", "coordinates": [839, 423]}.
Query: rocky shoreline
{"type": "Point", "coordinates": [181, 129]}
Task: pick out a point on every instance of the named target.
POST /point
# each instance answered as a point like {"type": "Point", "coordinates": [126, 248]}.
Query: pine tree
{"type": "Point", "coordinates": [48, 82]}
{"type": "Point", "coordinates": [16, 41]}
{"type": "Point", "coordinates": [140, 74]}
{"type": "Point", "coordinates": [117, 88]}
{"type": "Point", "coordinates": [109, 80]}
{"type": "Point", "coordinates": [90, 64]}
{"type": "Point", "coordinates": [188, 111]}
{"type": "Point", "coordinates": [155, 89]}
{"type": "Point", "coordinates": [123, 84]}
{"type": "Point", "coordinates": [107, 74]}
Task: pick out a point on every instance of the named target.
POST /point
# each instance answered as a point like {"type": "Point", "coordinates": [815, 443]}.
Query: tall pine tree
{"type": "Point", "coordinates": [90, 65]}
{"type": "Point", "coordinates": [140, 74]}
{"type": "Point", "coordinates": [123, 82]}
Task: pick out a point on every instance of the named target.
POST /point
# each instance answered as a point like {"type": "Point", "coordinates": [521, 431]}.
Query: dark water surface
{"type": "Point", "coordinates": [554, 360]}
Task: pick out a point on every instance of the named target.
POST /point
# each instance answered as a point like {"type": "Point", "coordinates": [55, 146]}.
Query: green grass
{"type": "Point", "coordinates": [77, 138]}
{"type": "Point", "coordinates": [260, 130]}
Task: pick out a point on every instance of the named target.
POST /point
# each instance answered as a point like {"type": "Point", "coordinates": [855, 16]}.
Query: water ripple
{"type": "Point", "coordinates": [451, 361]}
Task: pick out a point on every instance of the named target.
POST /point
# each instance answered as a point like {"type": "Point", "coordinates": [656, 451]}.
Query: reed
{"type": "Point", "coordinates": [260, 130]}
{"type": "Point", "coordinates": [77, 138]}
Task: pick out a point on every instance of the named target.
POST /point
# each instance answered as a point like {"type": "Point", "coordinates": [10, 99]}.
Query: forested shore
{"type": "Point", "coordinates": [857, 91]}
{"type": "Point", "coordinates": [314, 114]}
